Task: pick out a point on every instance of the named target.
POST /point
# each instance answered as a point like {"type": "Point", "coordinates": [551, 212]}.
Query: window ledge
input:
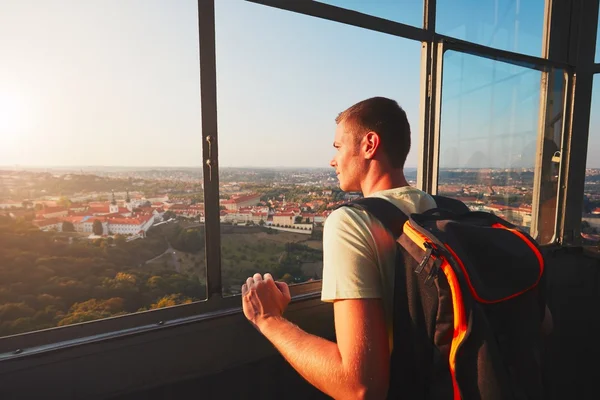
{"type": "Point", "coordinates": [113, 363]}
{"type": "Point", "coordinates": [32, 343]}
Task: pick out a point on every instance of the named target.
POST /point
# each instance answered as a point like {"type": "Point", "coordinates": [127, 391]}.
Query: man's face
{"type": "Point", "coordinates": [347, 161]}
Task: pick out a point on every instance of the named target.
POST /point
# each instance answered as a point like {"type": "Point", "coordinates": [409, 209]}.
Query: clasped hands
{"type": "Point", "coordinates": [264, 298]}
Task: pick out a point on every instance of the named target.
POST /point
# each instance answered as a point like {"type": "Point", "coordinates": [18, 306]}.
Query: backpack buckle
{"type": "Point", "coordinates": [435, 268]}
{"type": "Point", "coordinates": [428, 253]}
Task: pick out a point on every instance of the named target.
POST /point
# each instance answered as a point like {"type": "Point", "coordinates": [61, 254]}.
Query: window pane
{"type": "Point", "coordinates": [590, 229]}
{"type": "Point", "coordinates": [597, 54]}
{"type": "Point", "coordinates": [282, 80]}
{"type": "Point", "coordinates": [489, 139]}
{"type": "Point", "coordinates": [89, 92]}
{"type": "Point", "coordinates": [504, 24]}
{"type": "Point", "coordinates": [408, 12]}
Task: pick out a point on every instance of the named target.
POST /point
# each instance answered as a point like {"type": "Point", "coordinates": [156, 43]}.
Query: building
{"type": "Point", "coordinates": [284, 218]}
{"type": "Point", "coordinates": [240, 201]}
{"type": "Point", "coordinates": [52, 212]}
{"type": "Point", "coordinates": [49, 224]}
{"type": "Point", "coordinates": [5, 204]}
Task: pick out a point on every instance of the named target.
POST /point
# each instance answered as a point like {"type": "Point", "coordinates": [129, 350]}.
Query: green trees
{"type": "Point", "coordinates": [190, 240]}
{"type": "Point", "coordinates": [170, 300]}
{"type": "Point", "coordinates": [64, 202]}
{"type": "Point", "coordinates": [93, 309]}
{"type": "Point", "coordinates": [68, 226]}
{"type": "Point", "coordinates": [46, 282]}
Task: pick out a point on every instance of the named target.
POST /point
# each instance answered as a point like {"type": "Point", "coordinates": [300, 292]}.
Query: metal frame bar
{"type": "Point", "coordinates": [547, 98]}
{"type": "Point", "coordinates": [436, 123]}
{"type": "Point", "coordinates": [544, 103]}
{"type": "Point", "coordinates": [349, 17]}
{"type": "Point", "coordinates": [564, 151]}
{"type": "Point", "coordinates": [548, 6]}
{"type": "Point", "coordinates": [521, 60]}
{"type": "Point", "coordinates": [210, 155]}
{"type": "Point", "coordinates": [583, 30]}
{"type": "Point", "coordinates": [427, 104]}
{"type": "Point", "coordinates": [425, 118]}
{"type": "Point", "coordinates": [429, 15]}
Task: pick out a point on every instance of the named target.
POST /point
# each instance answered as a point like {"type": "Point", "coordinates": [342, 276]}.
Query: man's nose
{"type": "Point", "coordinates": [332, 162]}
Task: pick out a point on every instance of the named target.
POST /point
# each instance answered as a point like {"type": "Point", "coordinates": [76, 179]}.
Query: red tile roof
{"type": "Point", "coordinates": [284, 214]}
{"type": "Point", "coordinates": [51, 210]}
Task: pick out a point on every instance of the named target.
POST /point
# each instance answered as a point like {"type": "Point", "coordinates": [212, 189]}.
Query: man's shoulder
{"type": "Point", "coordinates": [342, 216]}
{"type": "Point", "coordinates": [409, 199]}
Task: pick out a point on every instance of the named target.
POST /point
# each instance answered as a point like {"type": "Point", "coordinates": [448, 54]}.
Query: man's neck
{"type": "Point", "coordinates": [376, 183]}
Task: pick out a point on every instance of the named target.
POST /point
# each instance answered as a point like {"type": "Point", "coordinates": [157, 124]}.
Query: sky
{"type": "Point", "coordinates": [109, 82]}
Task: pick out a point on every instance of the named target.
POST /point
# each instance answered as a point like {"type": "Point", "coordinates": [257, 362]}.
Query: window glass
{"type": "Point", "coordinates": [282, 79]}
{"type": "Point", "coordinates": [100, 178]}
{"type": "Point", "coordinates": [597, 56]}
{"type": "Point", "coordinates": [408, 12]}
{"type": "Point", "coordinates": [590, 225]}
{"type": "Point", "coordinates": [503, 24]}
{"type": "Point", "coordinates": [490, 137]}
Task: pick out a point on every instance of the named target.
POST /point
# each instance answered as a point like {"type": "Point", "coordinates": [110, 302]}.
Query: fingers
{"type": "Point", "coordinates": [252, 281]}
{"type": "Point", "coordinates": [284, 288]}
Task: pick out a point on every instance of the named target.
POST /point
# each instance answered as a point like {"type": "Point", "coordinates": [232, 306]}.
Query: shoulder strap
{"type": "Point", "coordinates": [410, 360]}
{"type": "Point", "coordinates": [390, 216]}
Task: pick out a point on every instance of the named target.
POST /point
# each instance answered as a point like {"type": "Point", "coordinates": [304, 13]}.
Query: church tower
{"type": "Point", "coordinates": [128, 202]}
{"type": "Point", "coordinates": [113, 208]}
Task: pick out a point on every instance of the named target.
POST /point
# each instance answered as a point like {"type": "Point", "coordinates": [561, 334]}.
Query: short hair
{"type": "Point", "coordinates": [386, 118]}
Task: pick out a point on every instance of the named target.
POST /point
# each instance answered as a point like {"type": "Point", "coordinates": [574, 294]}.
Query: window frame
{"type": "Point", "coordinates": [579, 51]}
{"type": "Point", "coordinates": [546, 68]}
{"type": "Point", "coordinates": [580, 61]}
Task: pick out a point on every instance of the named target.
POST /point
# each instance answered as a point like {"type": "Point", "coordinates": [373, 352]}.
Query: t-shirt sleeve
{"type": "Point", "coordinates": [349, 261]}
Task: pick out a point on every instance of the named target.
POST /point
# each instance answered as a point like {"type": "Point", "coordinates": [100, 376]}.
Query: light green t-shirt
{"type": "Point", "coordinates": [359, 253]}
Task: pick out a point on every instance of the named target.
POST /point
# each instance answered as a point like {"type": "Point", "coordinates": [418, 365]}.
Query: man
{"type": "Point", "coordinates": [372, 141]}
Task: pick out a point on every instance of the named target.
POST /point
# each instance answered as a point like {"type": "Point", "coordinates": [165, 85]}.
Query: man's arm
{"type": "Point", "coordinates": [357, 366]}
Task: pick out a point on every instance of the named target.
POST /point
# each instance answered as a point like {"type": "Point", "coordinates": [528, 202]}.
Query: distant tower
{"type": "Point", "coordinates": [113, 208]}
{"type": "Point", "coordinates": [128, 202]}
{"type": "Point", "coordinates": [284, 200]}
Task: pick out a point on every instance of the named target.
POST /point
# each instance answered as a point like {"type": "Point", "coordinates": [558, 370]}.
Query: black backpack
{"type": "Point", "coordinates": [468, 304]}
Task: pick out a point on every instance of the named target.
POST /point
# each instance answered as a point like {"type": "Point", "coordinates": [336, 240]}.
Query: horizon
{"type": "Point", "coordinates": [151, 167]}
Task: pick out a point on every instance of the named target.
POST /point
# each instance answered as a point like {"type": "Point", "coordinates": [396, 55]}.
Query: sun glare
{"type": "Point", "coordinates": [11, 115]}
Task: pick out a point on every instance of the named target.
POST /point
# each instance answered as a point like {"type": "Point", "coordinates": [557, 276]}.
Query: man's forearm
{"type": "Point", "coordinates": [318, 360]}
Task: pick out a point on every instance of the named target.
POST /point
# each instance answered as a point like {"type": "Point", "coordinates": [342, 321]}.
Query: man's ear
{"type": "Point", "coordinates": [371, 143]}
